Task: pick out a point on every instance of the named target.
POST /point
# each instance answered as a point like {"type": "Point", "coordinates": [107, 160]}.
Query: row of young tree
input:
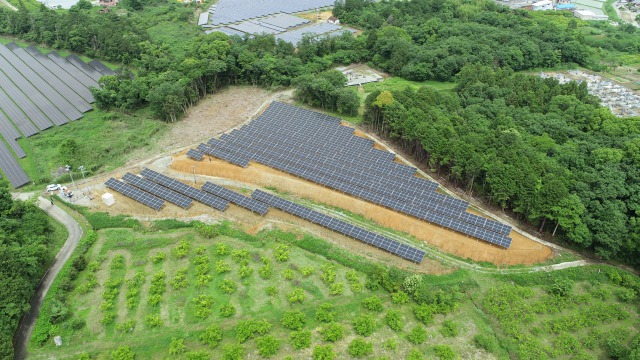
{"type": "Point", "coordinates": [546, 151]}
{"type": "Point", "coordinates": [25, 232]}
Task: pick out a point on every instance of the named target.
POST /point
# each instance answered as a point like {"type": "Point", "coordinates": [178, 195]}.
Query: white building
{"type": "Point", "coordinates": [542, 5]}
{"type": "Point", "coordinates": [589, 15]}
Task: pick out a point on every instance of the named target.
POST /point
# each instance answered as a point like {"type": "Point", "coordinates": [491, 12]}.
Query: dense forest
{"type": "Point", "coordinates": [547, 151]}
{"type": "Point", "coordinates": [25, 233]}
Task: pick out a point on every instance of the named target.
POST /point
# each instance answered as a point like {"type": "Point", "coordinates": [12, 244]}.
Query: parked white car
{"type": "Point", "coordinates": [54, 187]}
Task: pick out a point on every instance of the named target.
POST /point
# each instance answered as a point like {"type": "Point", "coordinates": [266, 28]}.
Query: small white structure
{"type": "Point", "coordinates": [108, 199]}
{"type": "Point", "coordinates": [58, 340]}
{"type": "Point", "coordinates": [542, 5]}
{"type": "Point", "coordinates": [333, 20]}
{"type": "Point", "coordinates": [589, 15]}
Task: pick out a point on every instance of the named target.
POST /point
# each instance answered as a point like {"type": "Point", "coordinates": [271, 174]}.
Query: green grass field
{"type": "Point", "coordinates": [157, 290]}
{"type": "Point", "coordinates": [100, 141]}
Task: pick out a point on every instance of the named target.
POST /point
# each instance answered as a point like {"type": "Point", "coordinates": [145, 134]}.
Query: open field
{"type": "Point", "coordinates": [157, 291]}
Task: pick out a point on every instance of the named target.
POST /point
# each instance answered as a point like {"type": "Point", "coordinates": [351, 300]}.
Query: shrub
{"type": "Point", "coordinates": [281, 253]}
{"type": "Point", "coordinates": [157, 288]}
{"type": "Point", "coordinates": [182, 250]}
{"type": "Point", "coordinates": [265, 271]}
{"type": "Point", "coordinates": [332, 332]}
{"type": "Point", "coordinates": [177, 346]}
{"type": "Point", "coordinates": [245, 271]}
{"type": "Point", "coordinates": [271, 290]}
{"type": "Point", "coordinates": [180, 281]}
{"type": "Point", "coordinates": [372, 303]}
{"type": "Point", "coordinates": [118, 262]}
{"type": "Point", "coordinates": [240, 256]}
{"type": "Point", "coordinates": [450, 329]}
{"type": "Point", "coordinates": [561, 287]}
{"type": "Point", "coordinates": [486, 342]}
{"type": "Point", "coordinates": [126, 326]}
{"type": "Point", "coordinates": [390, 344]}
{"type": "Point", "coordinates": [203, 280]}
{"type": "Point", "coordinates": [233, 352]}
{"type": "Point", "coordinates": [296, 295]}
{"type": "Point", "coordinates": [200, 250]}
{"type": "Point", "coordinates": [222, 267]}
{"type": "Point", "coordinates": [411, 283]}
{"type": "Point", "coordinates": [400, 297]}
{"type": "Point", "coordinates": [133, 289]}
{"type": "Point", "coordinates": [444, 352]}
{"type": "Point", "coordinates": [227, 286]}
{"type": "Point", "coordinates": [158, 257]}
{"type": "Point", "coordinates": [204, 306]}
{"type": "Point", "coordinates": [325, 313]}
{"type": "Point", "coordinates": [222, 249]}
{"type": "Point", "coordinates": [249, 328]}
{"type": "Point", "coordinates": [227, 310]}
{"type": "Point", "coordinates": [328, 275]}
{"type": "Point", "coordinates": [417, 335]}
{"type": "Point", "coordinates": [293, 320]}
{"type": "Point", "coordinates": [84, 356]}
{"type": "Point", "coordinates": [153, 321]}
{"type": "Point", "coordinates": [211, 336]}
{"type": "Point", "coordinates": [306, 271]}
{"type": "Point", "coordinates": [626, 295]}
{"type": "Point", "coordinates": [300, 339]}
{"type": "Point", "coordinates": [424, 313]}
{"type": "Point", "coordinates": [363, 325]}
{"type": "Point", "coordinates": [394, 320]}
{"type": "Point", "coordinates": [336, 289]}
{"type": "Point", "coordinates": [123, 353]}
{"type": "Point", "coordinates": [268, 345]}
{"type": "Point", "coordinates": [288, 274]}
{"type": "Point", "coordinates": [323, 353]}
{"type": "Point", "coordinates": [360, 348]}
{"type": "Point", "coordinates": [414, 354]}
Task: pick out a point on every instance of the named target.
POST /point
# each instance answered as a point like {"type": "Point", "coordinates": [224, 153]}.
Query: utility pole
{"type": "Point", "coordinates": [193, 169]}
{"type": "Point", "coordinates": [71, 175]}
{"type": "Point", "coordinates": [86, 186]}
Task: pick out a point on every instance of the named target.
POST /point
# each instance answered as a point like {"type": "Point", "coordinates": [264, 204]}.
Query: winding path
{"type": "Point", "coordinates": [28, 321]}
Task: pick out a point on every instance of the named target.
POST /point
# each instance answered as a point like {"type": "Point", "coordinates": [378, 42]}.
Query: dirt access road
{"type": "Point", "coordinates": [28, 322]}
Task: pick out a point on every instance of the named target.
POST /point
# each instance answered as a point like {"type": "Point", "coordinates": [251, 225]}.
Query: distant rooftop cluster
{"type": "Point", "coordinates": [273, 17]}
{"type": "Point", "coordinates": [620, 100]}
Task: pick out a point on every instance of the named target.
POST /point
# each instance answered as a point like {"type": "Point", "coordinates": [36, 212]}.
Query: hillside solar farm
{"type": "Point", "coordinates": [38, 92]}
{"type": "Point", "coordinates": [252, 17]}
{"type": "Point", "coordinates": [317, 148]}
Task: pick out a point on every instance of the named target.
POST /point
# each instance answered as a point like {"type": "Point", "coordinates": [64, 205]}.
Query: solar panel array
{"type": "Point", "coordinates": [158, 190]}
{"type": "Point", "coordinates": [316, 147]}
{"type": "Point", "coordinates": [233, 11]}
{"type": "Point", "coordinates": [194, 154]}
{"type": "Point", "coordinates": [38, 92]}
{"type": "Point", "coordinates": [236, 198]}
{"type": "Point", "coordinates": [135, 194]}
{"type": "Point", "coordinates": [368, 237]}
{"type": "Point", "coordinates": [196, 194]}
{"type": "Point", "coordinates": [315, 30]}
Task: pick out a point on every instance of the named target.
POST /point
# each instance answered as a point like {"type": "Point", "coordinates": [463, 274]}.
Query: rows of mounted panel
{"type": "Point", "coordinates": [37, 92]}
{"type": "Point", "coordinates": [316, 147]}
{"type": "Point", "coordinates": [381, 242]}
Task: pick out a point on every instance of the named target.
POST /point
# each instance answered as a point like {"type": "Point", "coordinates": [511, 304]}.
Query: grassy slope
{"type": "Point", "coordinates": [105, 142]}
{"type": "Point", "coordinates": [177, 309]}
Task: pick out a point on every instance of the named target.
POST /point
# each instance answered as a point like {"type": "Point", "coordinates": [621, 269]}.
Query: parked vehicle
{"type": "Point", "coordinates": [53, 187]}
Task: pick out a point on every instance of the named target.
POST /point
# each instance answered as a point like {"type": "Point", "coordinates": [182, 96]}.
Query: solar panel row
{"type": "Point", "coordinates": [232, 11]}
{"type": "Point", "coordinates": [37, 92]}
{"type": "Point", "coordinates": [135, 194]}
{"type": "Point", "coordinates": [9, 165]}
{"type": "Point", "coordinates": [295, 140]}
{"type": "Point", "coordinates": [158, 190]}
{"type": "Point", "coordinates": [368, 237]}
{"type": "Point", "coordinates": [236, 198]}
{"type": "Point", "coordinates": [437, 214]}
{"type": "Point", "coordinates": [224, 155]}
{"type": "Point", "coordinates": [196, 194]}
{"type": "Point", "coordinates": [195, 154]}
